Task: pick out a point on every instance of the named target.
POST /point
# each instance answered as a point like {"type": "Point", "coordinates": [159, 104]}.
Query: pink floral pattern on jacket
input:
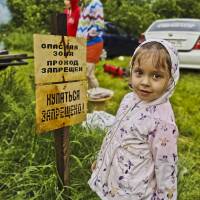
{"type": "Point", "coordinates": [138, 158]}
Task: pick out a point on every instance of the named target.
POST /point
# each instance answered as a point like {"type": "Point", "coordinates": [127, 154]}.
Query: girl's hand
{"type": "Point", "coordinates": [93, 166]}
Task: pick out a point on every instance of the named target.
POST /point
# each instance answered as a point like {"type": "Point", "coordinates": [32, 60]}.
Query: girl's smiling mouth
{"type": "Point", "coordinates": [144, 92]}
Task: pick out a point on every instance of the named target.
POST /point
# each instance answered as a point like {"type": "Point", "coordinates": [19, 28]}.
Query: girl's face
{"type": "Point", "coordinates": [149, 82]}
{"type": "Point", "coordinates": [67, 3]}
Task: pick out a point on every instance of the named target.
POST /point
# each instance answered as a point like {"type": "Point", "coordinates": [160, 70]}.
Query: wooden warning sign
{"type": "Point", "coordinates": [60, 105]}
{"type": "Point", "coordinates": [58, 60]}
{"type": "Point", "coordinates": [60, 77]}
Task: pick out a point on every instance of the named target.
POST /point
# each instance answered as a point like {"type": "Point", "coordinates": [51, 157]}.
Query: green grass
{"type": "Point", "coordinates": [27, 161]}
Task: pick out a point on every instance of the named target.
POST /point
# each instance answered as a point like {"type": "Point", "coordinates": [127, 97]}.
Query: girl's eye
{"type": "Point", "coordinates": [137, 72]}
{"type": "Point", "coordinates": [157, 76]}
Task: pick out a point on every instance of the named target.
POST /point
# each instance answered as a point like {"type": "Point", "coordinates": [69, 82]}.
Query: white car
{"type": "Point", "coordinates": [183, 33]}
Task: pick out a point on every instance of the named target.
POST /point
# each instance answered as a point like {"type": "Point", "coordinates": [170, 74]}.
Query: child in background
{"type": "Point", "coordinates": [138, 157]}
{"type": "Point", "coordinates": [72, 11]}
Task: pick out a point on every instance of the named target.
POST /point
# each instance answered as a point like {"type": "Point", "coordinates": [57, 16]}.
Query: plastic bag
{"type": "Point", "coordinates": [99, 119]}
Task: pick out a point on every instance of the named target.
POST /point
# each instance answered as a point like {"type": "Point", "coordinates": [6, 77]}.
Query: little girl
{"type": "Point", "coordinates": [138, 157]}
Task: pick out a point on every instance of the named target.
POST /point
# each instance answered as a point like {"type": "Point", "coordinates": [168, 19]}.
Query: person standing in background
{"type": "Point", "coordinates": [72, 11]}
{"type": "Point", "coordinates": [91, 25]}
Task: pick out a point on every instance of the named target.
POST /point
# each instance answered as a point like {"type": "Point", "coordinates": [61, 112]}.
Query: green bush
{"type": "Point", "coordinates": [18, 40]}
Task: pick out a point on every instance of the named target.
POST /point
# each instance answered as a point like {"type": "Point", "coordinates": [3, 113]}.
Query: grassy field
{"type": "Point", "coordinates": [27, 161]}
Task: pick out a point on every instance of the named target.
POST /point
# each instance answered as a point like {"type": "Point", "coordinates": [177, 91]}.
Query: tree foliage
{"type": "Point", "coordinates": [166, 8]}
{"type": "Point", "coordinates": [33, 15]}
{"type": "Point", "coordinates": [136, 15]}
{"type": "Point", "coordinates": [133, 19]}
{"type": "Point", "coordinates": [189, 8]}
{"type": "Point", "coordinates": [132, 15]}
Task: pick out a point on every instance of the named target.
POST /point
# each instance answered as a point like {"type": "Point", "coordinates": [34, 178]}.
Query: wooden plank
{"type": "Point", "coordinates": [13, 56]}
{"type": "Point", "coordinates": [13, 63]}
{"type": "Point", "coordinates": [60, 105]}
{"type": "Point", "coordinates": [54, 64]}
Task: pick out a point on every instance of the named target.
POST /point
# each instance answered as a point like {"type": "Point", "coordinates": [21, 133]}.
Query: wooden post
{"type": "Point", "coordinates": [58, 24]}
{"type": "Point", "coordinates": [61, 136]}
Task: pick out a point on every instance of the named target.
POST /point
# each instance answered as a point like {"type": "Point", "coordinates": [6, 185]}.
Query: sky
{"type": "Point", "coordinates": [5, 14]}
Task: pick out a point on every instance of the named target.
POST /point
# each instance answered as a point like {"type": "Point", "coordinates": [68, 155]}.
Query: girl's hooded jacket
{"type": "Point", "coordinates": [138, 157]}
{"type": "Point", "coordinates": [73, 16]}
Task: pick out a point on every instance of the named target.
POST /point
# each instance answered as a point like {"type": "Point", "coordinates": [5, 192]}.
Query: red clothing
{"type": "Point", "coordinates": [73, 15]}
